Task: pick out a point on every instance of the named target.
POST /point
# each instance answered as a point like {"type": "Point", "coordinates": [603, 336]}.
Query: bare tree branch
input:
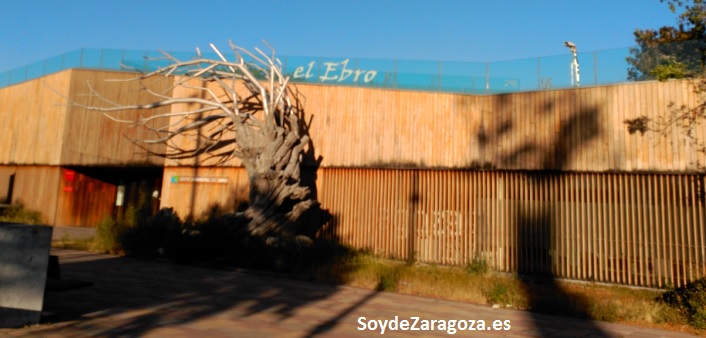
{"type": "Point", "coordinates": [231, 109]}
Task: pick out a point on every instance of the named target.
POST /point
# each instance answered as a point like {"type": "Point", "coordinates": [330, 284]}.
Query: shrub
{"type": "Point", "coordinates": [498, 293]}
{"type": "Point", "coordinates": [108, 236]}
{"type": "Point", "coordinates": [691, 300]}
{"type": "Point", "coordinates": [159, 235]}
{"type": "Point", "coordinates": [388, 280]}
{"type": "Point", "coordinates": [18, 214]}
{"type": "Point", "coordinates": [478, 266]}
{"type": "Point", "coordinates": [216, 239]}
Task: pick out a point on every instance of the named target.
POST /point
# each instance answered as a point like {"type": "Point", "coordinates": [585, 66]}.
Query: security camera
{"type": "Point", "coordinates": [569, 44]}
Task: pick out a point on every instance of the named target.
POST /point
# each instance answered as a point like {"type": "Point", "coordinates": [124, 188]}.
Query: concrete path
{"type": "Point", "coordinates": [135, 298]}
{"type": "Point", "coordinates": [63, 232]}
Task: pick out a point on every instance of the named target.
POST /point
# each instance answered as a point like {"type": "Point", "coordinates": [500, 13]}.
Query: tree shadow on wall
{"type": "Point", "coordinates": [535, 228]}
{"type": "Point", "coordinates": [534, 216]}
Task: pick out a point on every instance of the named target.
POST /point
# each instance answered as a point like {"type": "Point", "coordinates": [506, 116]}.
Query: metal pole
{"type": "Point", "coordinates": [576, 68]}
{"type": "Point", "coordinates": [487, 77]}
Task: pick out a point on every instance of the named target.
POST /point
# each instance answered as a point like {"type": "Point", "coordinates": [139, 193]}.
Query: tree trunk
{"type": "Point", "coordinates": [258, 122]}
{"type": "Point", "coordinates": [277, 197]}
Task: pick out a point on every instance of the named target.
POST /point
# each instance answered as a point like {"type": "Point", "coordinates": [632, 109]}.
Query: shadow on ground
{"type": "Point", "coordinates": [132, 297]}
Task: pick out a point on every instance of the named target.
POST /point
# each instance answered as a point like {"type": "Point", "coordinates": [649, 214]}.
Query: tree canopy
{"type": "Point", "coordinates": [671, 51]}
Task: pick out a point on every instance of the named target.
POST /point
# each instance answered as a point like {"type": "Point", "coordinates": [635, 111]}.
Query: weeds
{"type": "Point", "coordinates": [478, 267]}
{"type": "Point", "coordinates": [499, 293]}
{"type": "Point", "coordinates": [690, 300]}
{"type": "Point", "coordinates": [388, 281]}
{"type": "Point", "coordinates": [109, 236]}
{"type": "Point", "coordinates": [83, 243]}
{"type": "Point", "coordinates": [19, 214]}
{"type": "Point", "coordinates": [212, 240]}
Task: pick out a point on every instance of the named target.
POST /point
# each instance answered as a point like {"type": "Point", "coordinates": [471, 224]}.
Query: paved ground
{"type": "Point", "coordinates": [61, 232]}
{"type": "Point", "coordinates": [134, 298]}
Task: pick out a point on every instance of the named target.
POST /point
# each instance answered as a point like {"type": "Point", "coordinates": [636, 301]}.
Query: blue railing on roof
{"type": "Point", "coordinates": [597, 68]}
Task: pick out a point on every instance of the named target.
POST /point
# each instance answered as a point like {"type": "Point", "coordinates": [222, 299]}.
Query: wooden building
{"type": "Point", "coordinates": [72, 165]}
{"type": "Point", "coordinates": [547, 182]}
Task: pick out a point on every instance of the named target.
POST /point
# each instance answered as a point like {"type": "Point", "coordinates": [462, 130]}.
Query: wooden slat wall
{"type": "Point", "coordinates": [92, 139]}
{"type": "Point", "coordinates": [32, 116]}
{"type": "Point", "coordinates": [572, 129]}
{"type": "Point", "coordinates": [642, 230]}
{"type": "Point", "coordinates": [5, 177]}
{"type": "Point", "coordinates": [579, 129]}
{"type": "Point", "coordinates": [633, 229]}
{"type": "Point", "coordinates": [196, 199]}
{"type": "Point", "coordinates": [84, 200]}
{"type": "Point", "coordinates": [35, 187]}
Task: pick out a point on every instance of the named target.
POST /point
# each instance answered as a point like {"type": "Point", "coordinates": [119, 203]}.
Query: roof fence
{"type": "Point", "coordinates": [532, 74]}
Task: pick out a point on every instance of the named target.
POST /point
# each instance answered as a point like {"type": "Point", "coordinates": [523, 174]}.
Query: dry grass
{"type": "Point", "coordinates": [82, 244]}
{"type": "Point", "coordinates": [475, 284]}
{"type": "Point", "coordinates": [596, 301]}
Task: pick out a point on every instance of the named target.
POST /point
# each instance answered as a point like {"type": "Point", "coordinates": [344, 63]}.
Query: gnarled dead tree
{"type": "Point", "coordinates": [237, 109]}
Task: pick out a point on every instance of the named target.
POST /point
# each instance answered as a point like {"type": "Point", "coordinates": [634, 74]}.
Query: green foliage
{"type": "Point", "coordinates": [669, 69]}
{"type": "Point", "coordinates": [157, 236]}
{"type": "Point", "coordinates": [690, 299]}
{"type": "Point", "coordinates": [478, 267]}
{"type": "Point", "coordinates": [108, 236]}
{"type": "Point", "coordinates": [18, 214]}
{"type": "Point", "coordinates": [388, 281]}
{"type": "Point", "coordinates": [499, 293]}
{"type": "Point", "coordinates": [684, 46]}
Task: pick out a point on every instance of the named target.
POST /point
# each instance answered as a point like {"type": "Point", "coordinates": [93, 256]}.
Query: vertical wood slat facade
{"type": "Point", "coordinates": [634, 229]}
{"type": "Point", "coordinates": [637, 229]}
{"type": "Point", "coordinates": [27, 183]}
{"type": "Point", "coordinates": [640, 230]}
{"type": "Point", "coordinates": [580, 129]}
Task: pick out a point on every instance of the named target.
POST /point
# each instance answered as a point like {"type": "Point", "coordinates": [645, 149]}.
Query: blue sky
{"type": "Point", "coordinates": [470, 30]}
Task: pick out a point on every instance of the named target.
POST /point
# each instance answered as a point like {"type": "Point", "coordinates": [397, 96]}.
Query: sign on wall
{"type": "Point", "coordinates": [199, 179]}
{"type": "Point", "coordinates": [334, 72]}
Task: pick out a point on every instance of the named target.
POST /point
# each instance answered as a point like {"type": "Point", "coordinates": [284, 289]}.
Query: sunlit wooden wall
{"type": "Point", "coordinates": [42, 126]}
{"type": "Point", "coordinates": [644, 230]}
{"type": "Point", "coordinates": [634, 229]}
{"type": "Point", "coordinates": [35, 187]}
{"type": "Point", "coordinates": [189, 198]}
{"type": "Point", "coordinates": [90, 138]}
{"type": "Point", "coordinates": [538, 182]}
{"type": "Point", "coordinates": [570, 129]}
{"type": "Point", "coordinates": [32, 120]}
